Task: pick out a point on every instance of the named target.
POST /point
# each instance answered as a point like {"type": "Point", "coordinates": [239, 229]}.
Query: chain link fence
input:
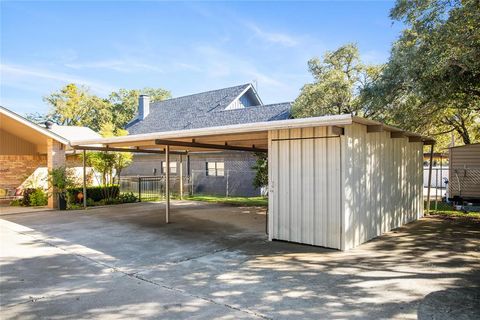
{"type": "Point", "coordinates": [227, 183]}
{"type": "Point", "coordinates": [224, 183]}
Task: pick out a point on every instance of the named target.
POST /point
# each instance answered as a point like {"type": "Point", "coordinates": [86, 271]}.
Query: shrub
{"type": "Point", "coordinates": [127, 198]}
{"type": "Point", "coordinates": [94, 194]}
{"type": "Point", "coordinates": [38, 198]}
{"type": "Point", "coordinates": [26, 196]}
{"type": "Point", "coordinates": [16, 202]}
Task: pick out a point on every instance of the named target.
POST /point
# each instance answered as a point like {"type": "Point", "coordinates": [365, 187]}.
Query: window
{"type": "Point", "coordinates": [173, 167]}
{"type": "Point", "coordinates": [215, 168]}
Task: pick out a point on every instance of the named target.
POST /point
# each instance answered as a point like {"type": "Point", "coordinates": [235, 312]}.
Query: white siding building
{"type": "Point", "coordinates": [340, 190]}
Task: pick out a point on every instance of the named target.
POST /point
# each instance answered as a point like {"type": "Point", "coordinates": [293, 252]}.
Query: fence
{"type": "Point", "coordinates": [152, 188]}
{"type": "Point", "coordinates": [225, 183]}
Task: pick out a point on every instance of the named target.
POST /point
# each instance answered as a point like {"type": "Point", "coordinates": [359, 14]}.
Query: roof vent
{"type": "Point", "coordinates": [48, 124]}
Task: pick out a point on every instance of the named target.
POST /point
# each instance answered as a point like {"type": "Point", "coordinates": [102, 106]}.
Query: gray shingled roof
{"type": "Point", "coordinates": [206, 109]}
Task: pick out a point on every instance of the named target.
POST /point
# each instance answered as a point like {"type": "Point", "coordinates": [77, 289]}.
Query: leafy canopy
{"type": "Point", "coordinates": [338, 79]}
{"type": "Point", "coordinates": [75, 105]}
{"type": "Point", "coordinates": [431, 82]}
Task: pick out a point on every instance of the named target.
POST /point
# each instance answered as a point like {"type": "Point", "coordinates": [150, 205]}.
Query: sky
{"type": "Point", "coordinates": [184, 47]}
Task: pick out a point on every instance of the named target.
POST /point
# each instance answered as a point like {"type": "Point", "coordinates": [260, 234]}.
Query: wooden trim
{"type": "Point", "coordinates": [415, 139]}
{"type": "Point", "coordinates": [208, 146]}
{"type": "Point", "coordinates": [334, 130]}
{"type": "Point", "coordinates": [395, 135]}
{"type": "Point", "coordinates": [374, 128]}
{"type": "Point", "coordinates": [136, 150]}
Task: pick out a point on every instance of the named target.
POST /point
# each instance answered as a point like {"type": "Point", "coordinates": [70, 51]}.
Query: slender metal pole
{"type": "Point", "coordinates": [84, 179]}
{"type": "Point", "coordinates": [167, 184]}
{"type": "Point", "coordinates": [429, 178]}
{"type": "Point", "coordinates": [181, 177]}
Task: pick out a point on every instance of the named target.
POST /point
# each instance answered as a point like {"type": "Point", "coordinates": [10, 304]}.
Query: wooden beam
{"type": "Point", "coordinates": [136, 150]}
{"type": "Point", "coordinates": [398, 134]}
{"type": "Point", "coordinates": [415, 139]}
{"type": "Point", "coordinates": [207, 146]}
{"type": "Point", "coordinates": [336, 131]}
{"type": "Point", "coordinates": [374, 128]}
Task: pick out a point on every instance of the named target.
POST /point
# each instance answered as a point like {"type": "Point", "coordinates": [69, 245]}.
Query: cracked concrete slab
{"type": "Point", "coordinates": [213, 261]}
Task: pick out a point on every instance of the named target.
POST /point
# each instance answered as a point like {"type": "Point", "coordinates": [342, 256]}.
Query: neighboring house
{"type": "Point", "coordinates": [464, 171]}
{"type": "Point", "coordinates": [28, 151]}
{"type": "Point", "coordinates": [209, 171]}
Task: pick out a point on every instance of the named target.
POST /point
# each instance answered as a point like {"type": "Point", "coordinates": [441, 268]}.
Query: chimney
{"type": "Point", "coordinates": [143, 106]}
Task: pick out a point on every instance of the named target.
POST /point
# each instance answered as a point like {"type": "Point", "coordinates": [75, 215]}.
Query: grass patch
{"type": "Point", "coordinates": [239, 201]}
{"type": "Point", "coordinates": [447, 210]}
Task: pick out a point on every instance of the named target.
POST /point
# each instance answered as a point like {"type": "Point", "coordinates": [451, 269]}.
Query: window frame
{"type": "Point", "coordinates": [215, 168]}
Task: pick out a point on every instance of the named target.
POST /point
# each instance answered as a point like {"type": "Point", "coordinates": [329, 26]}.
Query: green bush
{"type": "Point", "coordinates": [16, 203]}
{"type": "Point", "coordinates": [127, 197]}
{"type": "Point", "coordinates": [38, 198]}
{"type": "Point", "coordinates": [95, 194]}
{"type": "Point", "coordinates": [26, 196]}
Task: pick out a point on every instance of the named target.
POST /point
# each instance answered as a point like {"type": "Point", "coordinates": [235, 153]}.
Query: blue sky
{"type": "Point", "coordinates": [182, 47]}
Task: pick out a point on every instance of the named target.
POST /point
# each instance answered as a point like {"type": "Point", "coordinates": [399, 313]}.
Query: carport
{"type": "Point", "coordinates": [334, 181]}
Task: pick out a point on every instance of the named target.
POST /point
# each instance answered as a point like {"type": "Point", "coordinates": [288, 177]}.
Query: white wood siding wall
{"type": "Point", "coordinates": [305, 187]}
{"type": "Point", "coordinates": [383, 183]}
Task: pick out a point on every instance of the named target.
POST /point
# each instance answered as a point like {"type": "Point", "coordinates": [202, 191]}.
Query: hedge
{"type": "Point", "coordinates": [94, 193]}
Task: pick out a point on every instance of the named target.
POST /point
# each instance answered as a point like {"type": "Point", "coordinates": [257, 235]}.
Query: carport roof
{"type": "Point", "coordinates": [246, 137]}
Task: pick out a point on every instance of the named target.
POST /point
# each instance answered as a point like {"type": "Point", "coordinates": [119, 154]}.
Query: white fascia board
{"type": "Point", "coordinates": [369, 122]}
{"type": "Point", "coordinates": [33, 126]}
{"type": "Point", "coordinates": [335, 120]}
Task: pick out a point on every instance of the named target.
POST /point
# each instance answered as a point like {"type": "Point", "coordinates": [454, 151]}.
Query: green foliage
{"type": "Point", "coordinates": [32, 197]}
{"type": "Point", "coordinates": [16, 203]}
{"type": "Point", "coordinates": [38, 198]}
{"type": "Point", "coordinates": [61, 179]}
{"type": "Point", "coordinates": [124, 103]}
{"type": "Point", "coordinates": [261, 171]}
{"type": "Point", "coordinates": [26, 196]}
{"type": "Point", "coordinates": [93, 193]}
{"type": "Point", "coordinates": [74, 105]}
{"type": "Point", "coordinates": [238, 201]}
{"type": "Point", "coordinates": [109, 162]}
{"type": "Point", "coordinates": [127, 197]}
{"type": "Point", "coordinates": [338, 79]}
{"type": "Point", "coordinates": [431, 83]}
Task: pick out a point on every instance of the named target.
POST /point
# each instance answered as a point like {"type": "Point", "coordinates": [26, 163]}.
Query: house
{"type": "Point", "coordinates": [29, 150]}
{"type": "Point", "coordinates": [211, 172]}
{"type": "Point", "coordinates": [464, 172]}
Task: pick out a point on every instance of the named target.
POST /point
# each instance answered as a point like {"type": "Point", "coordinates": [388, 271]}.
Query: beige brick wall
{"type": "Point", "coordinates": [15, 169]}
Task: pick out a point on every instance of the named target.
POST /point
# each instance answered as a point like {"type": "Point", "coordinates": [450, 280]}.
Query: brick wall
{"type": "Point", "coordinates": [15, 169]}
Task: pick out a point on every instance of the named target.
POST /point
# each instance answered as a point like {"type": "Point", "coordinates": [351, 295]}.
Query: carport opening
{"type": "Point", "coordinates": [181, 150]}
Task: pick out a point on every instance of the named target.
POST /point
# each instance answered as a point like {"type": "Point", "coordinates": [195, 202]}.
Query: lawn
{"type": "Point", "coordinates": [239, 201]}
{"type": "Point", "coordinates": [447, 210]}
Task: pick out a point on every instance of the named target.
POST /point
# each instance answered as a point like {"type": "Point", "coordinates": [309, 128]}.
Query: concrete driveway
{"type": "Point", "coordinates": [213, 262]}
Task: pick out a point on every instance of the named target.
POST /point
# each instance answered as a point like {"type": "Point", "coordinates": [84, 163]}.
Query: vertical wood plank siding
{"type": "Point", "coordinates": [305, 187]}
{"type": "Point", "coordinates": [383, 183]}
{"type": "Point", "coordinates": [339, 192]}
